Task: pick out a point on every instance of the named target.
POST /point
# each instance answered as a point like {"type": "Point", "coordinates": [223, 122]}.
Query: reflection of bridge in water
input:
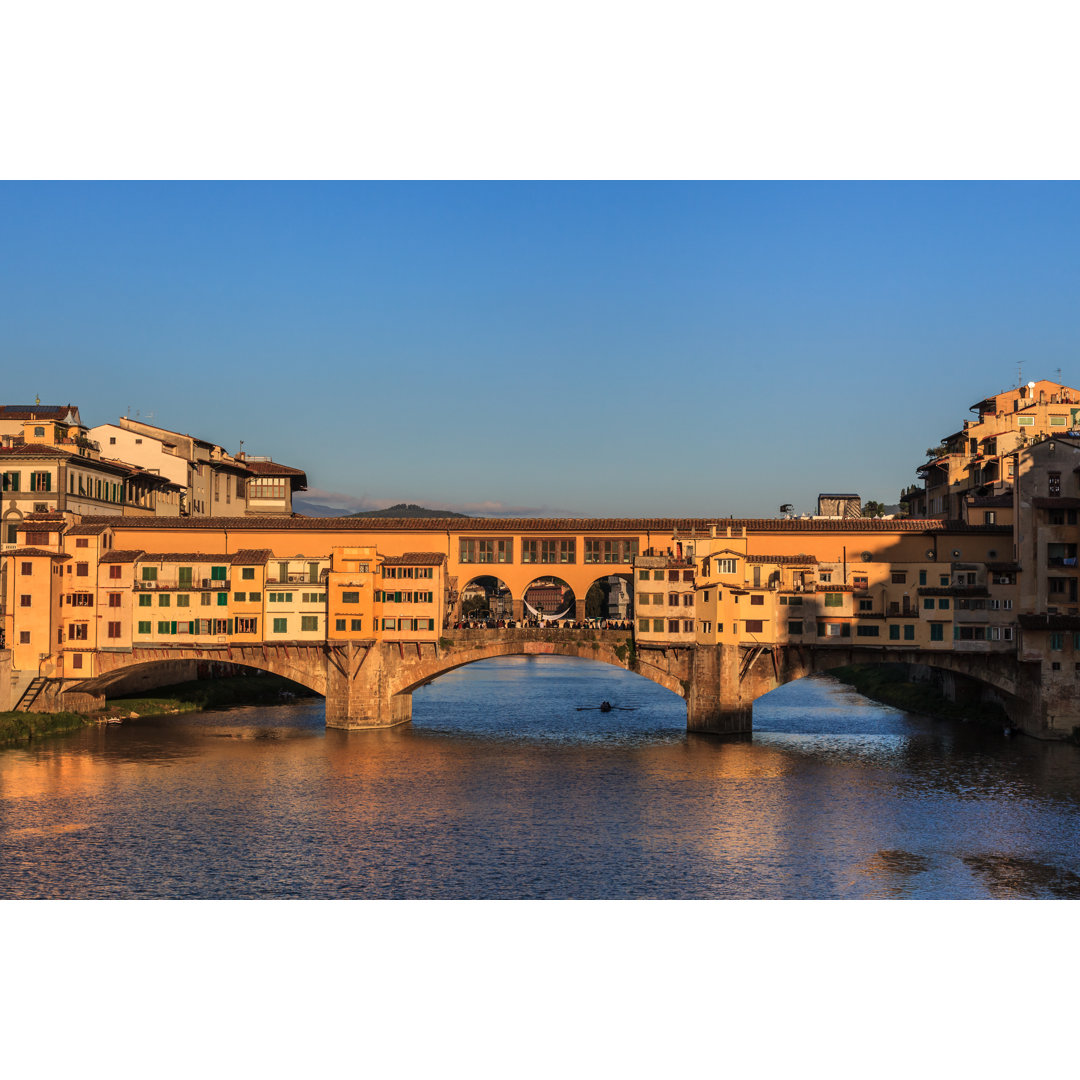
{"type": "Point", "coordinates": [370, 685]}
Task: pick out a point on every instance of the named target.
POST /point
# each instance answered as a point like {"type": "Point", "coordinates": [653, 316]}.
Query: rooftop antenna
{"type": "Point", "coordinates": [1019, 372]}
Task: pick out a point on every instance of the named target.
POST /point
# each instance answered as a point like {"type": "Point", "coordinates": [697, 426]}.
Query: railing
{"type": "Point", "coordinates": [199, 585]}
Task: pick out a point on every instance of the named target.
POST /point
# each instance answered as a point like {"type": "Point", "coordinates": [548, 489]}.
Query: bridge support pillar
{"type": "Point", "coordinates": [579, 610]}
{"type": "Point", "coordinates": [519, 610]}
{"type": "Point", "coordinates": [358, 694]}
{"type": "Point", "coordinates": [715, 702]}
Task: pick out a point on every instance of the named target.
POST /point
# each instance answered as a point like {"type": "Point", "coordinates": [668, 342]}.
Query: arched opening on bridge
{"type": "Point", "coordinates": [610, 598]}
{"type": "Point", "coordinates": [550, 598]}
{"type": "Point", "coordinates": [547, 697]}
{"type": "Point", "coordinates": [208, 683]}
{"type": "Point", "coordinates": [486, 597]}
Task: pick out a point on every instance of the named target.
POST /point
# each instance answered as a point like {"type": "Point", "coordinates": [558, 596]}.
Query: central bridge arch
{"type": "Point", "coordinates": [668, 668]}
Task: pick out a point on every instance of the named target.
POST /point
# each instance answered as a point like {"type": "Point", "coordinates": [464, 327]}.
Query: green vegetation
{"type": "Point", "coordinates": [446, 643]}
{"type": "Point", "coordinates": [888, 684]}
{"type": "Point", "coordinates": [20, 727]}
{"type": "Point", "coordinates": [208, 694]}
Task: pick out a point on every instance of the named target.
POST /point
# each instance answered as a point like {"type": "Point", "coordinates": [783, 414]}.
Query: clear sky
{"type": "Point", "coordinates": [594, 349]}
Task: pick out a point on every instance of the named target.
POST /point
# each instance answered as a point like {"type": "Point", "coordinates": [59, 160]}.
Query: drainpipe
{"type": "Point", "coordinates": [844, 550]}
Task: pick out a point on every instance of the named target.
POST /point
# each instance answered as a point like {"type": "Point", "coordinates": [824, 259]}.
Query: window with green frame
{"type": "Point", "coordinates": [184, 575]}
{"type": "Point", "coordinates": [894, 632]}
{"type": "Point", "coordinates": [217, 573]}
{"type": "Point", "coordinates": [144, 628]}
{"type": "Point", "coordinates": [280, 626]}
{"type": "Point", "coordinates": [149, 573]}
{"type": "Point", "coordinates": [937, 631]}
{"type": "Point", "coordinates": [309, 622]}
{"type": "Point", "coordinates": [1057, 642]}
{"type": "Point", "coordinates": [145, 601]}
{"type": "Point", "coordinates": [834, 599]}
{"type": "Point", "coordinates": [164, 600]}
{"type": "Point", "coordinates": [247, 573]}
{"type": "Point", "coordinates": [909, 633]}
{"type": "Point", "coordinates": [222, 599]}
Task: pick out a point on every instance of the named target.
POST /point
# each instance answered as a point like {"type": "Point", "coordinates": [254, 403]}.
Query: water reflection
{"type": "Point", "coordinates": [508, 784]}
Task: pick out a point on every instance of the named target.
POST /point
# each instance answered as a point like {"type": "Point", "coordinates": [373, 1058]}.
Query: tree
{"type": "Point", "coordinates": [873, 509]}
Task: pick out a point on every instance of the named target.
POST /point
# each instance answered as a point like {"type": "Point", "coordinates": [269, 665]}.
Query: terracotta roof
{"type": "Point", "coordinates": [272, 468]}
{"type": "Point", "coordinates": [784, 560]}
{"type": "Point", "coordinates": [416, 558]}
{"type": "Point", "coordinates": [35, 450]}
{"type": "Point", "coordinates": [35, 412]}
{"type": "Point", "coordinates": [35, 551]}
{"type": "Point", "coordinates": [121, 556]}
{"type": "Point", "coordinates": [86, 530]}
{"type": "Point", "coordinates": [835, 588]}
{"type": "Point", "coordinates": [251, 556]}
{"type": "Point", "coordinates": [610, 526]}
{"type": "Point", "coordinates": [45, 515]}
{"type": "Point", "coordinates": [29, 524]}
{"type": "Point", "coordinates": [186, 557]}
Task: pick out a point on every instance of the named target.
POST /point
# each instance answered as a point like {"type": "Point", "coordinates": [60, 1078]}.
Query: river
{"type": "Point", "coordinates": [510, 783]}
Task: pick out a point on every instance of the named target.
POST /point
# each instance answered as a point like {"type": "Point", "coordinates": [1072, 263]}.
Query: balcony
{"type": "Point", "coordinates": [196, 585]}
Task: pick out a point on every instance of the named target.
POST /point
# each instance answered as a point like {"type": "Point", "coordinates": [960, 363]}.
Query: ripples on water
{"type": "Point", "coordinates": [510, 783]}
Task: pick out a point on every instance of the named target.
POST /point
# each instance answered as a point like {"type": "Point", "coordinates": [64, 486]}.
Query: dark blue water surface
{"type": "Point", "coordinates": [510, 783]}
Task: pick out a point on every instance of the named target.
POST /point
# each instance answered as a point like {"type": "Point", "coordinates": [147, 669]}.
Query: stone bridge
{"type": "Point", "coordinates": [370, 685]}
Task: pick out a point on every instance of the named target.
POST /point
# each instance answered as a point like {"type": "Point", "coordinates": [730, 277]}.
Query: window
{"type": "Point", "coordinates": [1026, 421]}
{"type": "Point", "coordinates": [389, 624]}
{"type": "Point", "coordinates": [673, 599]}
{"type": "Point", "coordinates": [867, 631]}
{"type": "Point", "coordinates": [81, 541]}
{"type": "Point", "coordinates": [114, 629]}
{"type": "Point", "coordinates": [339, 624]}
{"type": "Point", "coordinates": [673, 626]}
{"type": "Point", "coordinates": [860, 581]}
{"type": "Point", "coordinates": [239, 597]}
{"type": "Point", "coordinates": [688, 600]}
{"type": "Point", "coordinates": [82, 569]}
{"type": "Point", "coordinates": [350, 598]}
{"type": "Point", "coordinates": [164, 600]}
{"type": "Point", "coordinates": [309, 622]}
{"type": "Point", "coordinates": [795, 626]}
{"type": "Point", "coordinates": [834, 599]}
{"type": "Point", "coordinates": [183, 600]}
{"type": "Point", "coordinates": [1057, 642]}
{"type": "Point", "coordinates": [1053, 484]}
{"type": "Point", "coordinates": [643, 625]}
{"type": "Point", "coordinates": [866, 605]}
{"type": "Point", "coordinates": [643, 575]}
{"type": "Point", "coordinates": [24, 600]}
{"type": "Point", "coordinates": [1057, 421]}
{"type": "Point", "coordinates": [114, 571]}
{"type": "Point", "coordinates": [726, 566]}
{"type": "Point", "coordinates": [990, 517]}
{"type": "Point", "coordinates": [943, 579]}
{"type": "Point", "coordinates": [899, 577]}
{"type": "Point", "coordinates": [77, 632]}
{"type": "Point", "coordinates": [943, 603]}
{"type": "Point", "coordinates": [163, 627]}
{"type": "Point", "coordinates": [254, 597]}
{"type": "Point", "coordinates": [24, 637]}
{"type": "Point", "coordinates": [222, 599]}
{"type": "Point", "coordinates": [11, 481]}
{"type": "Point", "coordinates": [937, 631]}
{"type": "Point", "coordinates": [754, 626]}
{"type": "Point", "coordinates": [145, 601]}
{"type": "Point", "coordinates": [658, 626]}
{"type": "Point", "coordinates": [26, 569]}
{"type": "Point", "coordinates": [894, 632]}
{"type": "Point", "coordinates": [114, 599]}
{"type": "Point", "coordinates": [149, 573]}
{"type": "Point", "coordinates": [217, 573]}
{"type": "Point", "coordinates": [356, 625]}
{"type": "Point", "coordinates": [922, 577]}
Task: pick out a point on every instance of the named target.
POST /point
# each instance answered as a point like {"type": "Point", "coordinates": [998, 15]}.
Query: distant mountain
{"type": "Point", "coordinates": [408, 510]}
{"type": "Point", "coordinates": [310, 509]}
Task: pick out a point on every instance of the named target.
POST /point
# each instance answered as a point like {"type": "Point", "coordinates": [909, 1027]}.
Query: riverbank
{"type": "Point", "coordinates": [20, 727]}
{"type": "Point", "coordinates": [197, 696]}
{"type": "Point", "coordinates": [888, 685]}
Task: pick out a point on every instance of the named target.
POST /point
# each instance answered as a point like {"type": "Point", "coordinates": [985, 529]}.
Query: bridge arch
{"type": "Point", "coordinates": [606, 647]}
{"type": "Point", "coordinates": [146, 669]}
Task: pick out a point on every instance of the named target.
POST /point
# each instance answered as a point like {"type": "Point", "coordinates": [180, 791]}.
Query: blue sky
{"type": "Point", "coordinates": [592, 349]}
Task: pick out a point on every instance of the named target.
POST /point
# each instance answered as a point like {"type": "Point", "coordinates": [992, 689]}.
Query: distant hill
{"type": "Point", "coordinates": [407, 510]}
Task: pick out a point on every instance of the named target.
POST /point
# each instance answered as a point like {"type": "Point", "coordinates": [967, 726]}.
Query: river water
{"type": "Point", "coordinates": [509, 783]}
